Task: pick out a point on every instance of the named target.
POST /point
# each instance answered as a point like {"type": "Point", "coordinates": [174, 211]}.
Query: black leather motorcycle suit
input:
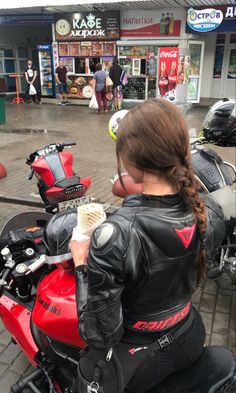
{"type": "Point", "coordinates": [141, 275]}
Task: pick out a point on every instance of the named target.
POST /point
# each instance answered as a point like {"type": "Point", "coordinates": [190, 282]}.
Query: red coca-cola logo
{"type": "Point", "coordinates": [172, 54]}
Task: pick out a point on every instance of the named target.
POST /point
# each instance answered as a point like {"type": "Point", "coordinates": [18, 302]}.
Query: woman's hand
{"type": "Point", "coordinates": [80, 251]}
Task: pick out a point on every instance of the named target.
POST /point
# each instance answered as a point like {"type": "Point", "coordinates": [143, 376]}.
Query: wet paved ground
{"type": "Point", "coordinates": [94, 157]}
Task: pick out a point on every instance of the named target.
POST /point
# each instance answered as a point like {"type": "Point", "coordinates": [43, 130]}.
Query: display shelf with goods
{"type": "Point", "coordinates": [135, 89]}
{"type": "Point", "coordinates": [152, 87]}
{"type": "Point", "coordinates": [46, 67]}
{"type": "Point", "coordinates": [80, 59]}
{"type": "Point", "coordinates": [196, 50]}
{"type": "Point", "coordinates": [140, 64]}
{"type": "Point", "coordinates": [45, 73]}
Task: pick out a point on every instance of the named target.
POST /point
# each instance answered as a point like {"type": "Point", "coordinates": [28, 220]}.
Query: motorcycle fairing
{"type": "Point", "coordinates": [16, 319]}
{"type": "Point", "coordinates": [53, 167]}
{"type": "Point", "coordinates": [55, 311]}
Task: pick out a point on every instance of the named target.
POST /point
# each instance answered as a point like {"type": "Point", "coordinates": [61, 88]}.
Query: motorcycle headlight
{"type": "Point", "coordinates": [217, 133]}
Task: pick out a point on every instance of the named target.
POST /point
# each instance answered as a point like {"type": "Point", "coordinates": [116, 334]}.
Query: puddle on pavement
{"type": "Point", "coordinates": [31, 131]}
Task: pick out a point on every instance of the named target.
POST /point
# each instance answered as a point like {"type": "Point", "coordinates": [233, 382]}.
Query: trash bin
{"type": "Point", "coordinates": [2, 109]}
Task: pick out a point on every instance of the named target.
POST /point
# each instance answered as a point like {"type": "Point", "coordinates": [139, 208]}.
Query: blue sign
{"type": "Point", "coordinates": [25, 19]}
{"type": "Point", "coordinates": [217, 18]}
{"type": "Point", "coordinates": [204, 20]}
{"type": "Point", "coordinates": [43, 47]}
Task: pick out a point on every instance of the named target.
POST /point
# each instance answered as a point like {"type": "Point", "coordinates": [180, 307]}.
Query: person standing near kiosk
{"type": "Point", "coordinates": [62, 80]}
{"type": "Point", "coordinates": [31, 76]}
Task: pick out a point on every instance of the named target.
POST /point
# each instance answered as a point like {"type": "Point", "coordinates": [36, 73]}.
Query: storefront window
{"type": "Point", "coordinates": [232, 39]}
{"type": "Point", "coordinates": [220, 39]}
{"type": "Point", "coordinates": [152, 82]}
{"type": "Point", "coordinates": [80, 66]}
{"type": "Point", "coordinates": [68, 63]}
{"type": "Point", "coordinates": [152, 67]}
{"type": "Point", "coordinates": [11, 84]}
{"type": "Point", "coordinates": [195, 57]}
{"type": "Point", "coordinates": [219, 56]}
{"type": "Point", "coordinates": [9, 66]}
{"type": "Point", "coordinates": [135, 90]}
{"type": "Point", "coordinates": [23, 52]}
{"type": "Point", "coordinates": [193, 89]}
{"type": "Point", "coordinates": [194, 70]}
{"type": "Point", "coordinates": [22, 65]}
{"type": "Point", "coordinates": [232, 65]}
{"type": "Point", "coordinates": [133, 51]}
{"type": "Point", "coordinates": [6, 52]}
{"type": "Point", "coordinates": [126, 64]}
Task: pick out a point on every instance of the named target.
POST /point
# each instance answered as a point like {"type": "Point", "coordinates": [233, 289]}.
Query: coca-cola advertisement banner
{"type": "Point", "coordinates": [168, 71]}
{"type": "Point", "coordinates": [153, 24]}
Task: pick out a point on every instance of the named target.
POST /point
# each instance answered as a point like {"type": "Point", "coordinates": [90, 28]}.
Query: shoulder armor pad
{"type": "Point", "coordinates": [103, 234]}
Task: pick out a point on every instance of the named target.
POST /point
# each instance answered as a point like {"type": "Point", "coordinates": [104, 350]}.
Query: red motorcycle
{"type": "Point", "coordinates": [38, 309]}
{"type": "Point", "coordinates": [59, 188]}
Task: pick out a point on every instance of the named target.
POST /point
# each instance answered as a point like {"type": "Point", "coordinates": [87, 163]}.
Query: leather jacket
{"type": "Point", "coordinates": [141, 270]}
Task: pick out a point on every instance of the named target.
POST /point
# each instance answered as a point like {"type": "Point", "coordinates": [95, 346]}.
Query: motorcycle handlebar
{"type": "Point", "coordinates": [68, 144]}
{"type": "Point", "coordinates": [48, 149]}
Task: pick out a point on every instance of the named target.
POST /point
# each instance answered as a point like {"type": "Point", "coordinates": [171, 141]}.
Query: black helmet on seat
{"type": "Point", "coordinates": [58, 233]}
{"type": "Point", "coordinates": [219, 126]}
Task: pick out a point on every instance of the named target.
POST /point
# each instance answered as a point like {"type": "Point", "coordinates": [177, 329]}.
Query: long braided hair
{"type": "Point", "coordinates": [153, 137]}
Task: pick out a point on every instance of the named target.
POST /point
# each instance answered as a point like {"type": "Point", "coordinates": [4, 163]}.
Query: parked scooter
{"type": "Point", "coordinates": [59, 188]}
{"type": "Point", "coordinates": [38, 309]}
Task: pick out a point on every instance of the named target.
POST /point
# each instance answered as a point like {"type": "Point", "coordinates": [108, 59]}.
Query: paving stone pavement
{"type": "Point", "coordinates": [94, 157]}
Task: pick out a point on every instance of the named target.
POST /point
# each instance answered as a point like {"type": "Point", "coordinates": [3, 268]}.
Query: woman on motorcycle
{"type": "Point", "coordinates": [145, 262]}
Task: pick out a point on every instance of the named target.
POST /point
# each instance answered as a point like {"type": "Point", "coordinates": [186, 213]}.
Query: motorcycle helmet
{"type": "Point", "coordinates": [219, 126]}
{"type": "Point", "coordinates": [115, 121]}
{"type": "Point", "coordinates": [57, 236]}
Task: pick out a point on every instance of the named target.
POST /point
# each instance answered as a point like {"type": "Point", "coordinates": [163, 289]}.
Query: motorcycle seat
{"type": "Point", "coordinates": [214, 372]}
{"type": "Point", "coordinates": [67, 182]}
{"type": "Point", "coordinates": [226, 198]}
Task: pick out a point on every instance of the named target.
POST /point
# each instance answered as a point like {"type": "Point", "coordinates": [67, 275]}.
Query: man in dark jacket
{"type": "Point", "coordinates": [115, 75]}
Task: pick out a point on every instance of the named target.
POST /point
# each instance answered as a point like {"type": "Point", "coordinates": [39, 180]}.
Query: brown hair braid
{"type": "Point", "coordinates": [153, 137]}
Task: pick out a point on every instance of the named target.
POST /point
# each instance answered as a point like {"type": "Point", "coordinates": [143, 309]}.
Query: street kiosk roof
{"type": "Point", "coordinates": [62, 6]}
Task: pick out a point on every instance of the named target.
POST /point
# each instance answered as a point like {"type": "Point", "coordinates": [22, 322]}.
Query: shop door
{"type": "Point", "coordinates": [224, 74]}
{"type": "Point", "coordinates": [196, 52]}
{"type": "Point", "coordinates": [229, 73]}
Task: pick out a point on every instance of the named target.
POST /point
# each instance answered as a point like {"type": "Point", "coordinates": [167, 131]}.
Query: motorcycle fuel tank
{"type": "Point", "coordinates": [55, 311]}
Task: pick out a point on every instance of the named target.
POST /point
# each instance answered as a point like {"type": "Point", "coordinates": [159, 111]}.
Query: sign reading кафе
{"type": "Point", "coordinates": [214, 18]}
{"type": "Point", "coordinates": [86, 26]}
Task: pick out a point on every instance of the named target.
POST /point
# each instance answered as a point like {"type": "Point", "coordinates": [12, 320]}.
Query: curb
{"type": "Point", "coordinates": [20, 201]}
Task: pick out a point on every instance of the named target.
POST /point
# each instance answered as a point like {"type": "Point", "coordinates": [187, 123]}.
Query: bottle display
{"type": "Point", "coordinates": [135, 89]}
{"type": "Point", "coordinates": [163, 81]}
{"type": "Point", "coordinates": [167, 23]}
{"type": "Point", "coordinates": [162, 24]}
{"type": "Point", "coordinates": [172, 76]}
{"type": "Point", "coordinates": [45, 69]}
{"type": "Point", "coordinates": [172, 23]}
